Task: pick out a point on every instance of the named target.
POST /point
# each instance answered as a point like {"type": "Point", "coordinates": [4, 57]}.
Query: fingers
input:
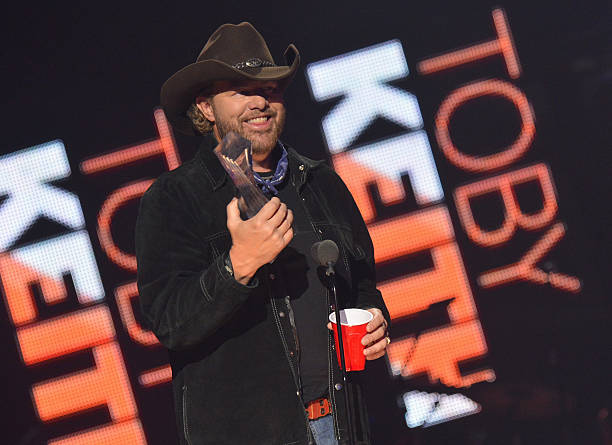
{"type": "Point", "coordinates": [283, 218]}
{"type": "Point", "coordinates": [233, 212]}
{"type": "Point", "coordinates": [377, 321]}
{"type": "Point", "coordinates": [288, 236]}
{"type": "Point", "coordinates": [267, 211]}
{"type": "Point", "coordinates": [376, 340]}
{"type": "Point", "coordinates": [373, 337]}
{"type": "Point", "coordinates": [375, 356]}
{"type": "Point", "coordinates": [279, 217]}
{"type": "Point", "coordinates": [377, 350]}
{"type": "Point", "coordinates": [286, 224]}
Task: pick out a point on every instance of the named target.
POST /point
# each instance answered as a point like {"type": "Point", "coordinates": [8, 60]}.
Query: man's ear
{"type": "Point", "coordinates": [203, 104]}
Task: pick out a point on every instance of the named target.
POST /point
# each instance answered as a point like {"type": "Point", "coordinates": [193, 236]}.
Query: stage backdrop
{"type": "Point", "coordinates": [469, 140]}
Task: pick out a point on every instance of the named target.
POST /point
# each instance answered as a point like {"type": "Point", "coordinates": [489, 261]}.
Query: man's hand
{"type": "Point", "coordinates": [258, 240]}
{"type": "Point", "coordinates": [376, 340]}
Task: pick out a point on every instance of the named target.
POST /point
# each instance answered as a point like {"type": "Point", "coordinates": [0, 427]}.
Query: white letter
{"type": "Point", "coordinates": [409, 153]}
{"type": "Point", "coordinates": [71, 253]}
{"type": "Point", "coordinates": [23, 177]}
{"type": "Point", "coordinates": [360, 77]}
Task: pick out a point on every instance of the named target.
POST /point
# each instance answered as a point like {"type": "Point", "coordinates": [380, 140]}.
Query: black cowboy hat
{"type": "Point", "coordinates": [233, 52]}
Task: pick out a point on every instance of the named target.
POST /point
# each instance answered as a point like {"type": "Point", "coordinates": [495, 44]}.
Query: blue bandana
{"type": "Point", "coordinates": [269, 185]}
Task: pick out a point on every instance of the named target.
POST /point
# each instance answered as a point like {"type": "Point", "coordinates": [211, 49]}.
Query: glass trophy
{"type": "Point", "coordinates": [234, 153]}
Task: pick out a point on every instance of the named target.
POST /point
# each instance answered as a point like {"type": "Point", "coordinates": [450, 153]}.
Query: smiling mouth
{"type": "Point", "coordinates": [258, 120]}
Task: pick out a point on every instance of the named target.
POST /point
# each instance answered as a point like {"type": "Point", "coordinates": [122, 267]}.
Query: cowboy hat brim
{"type": "Point", "coordinates": [179, 91]}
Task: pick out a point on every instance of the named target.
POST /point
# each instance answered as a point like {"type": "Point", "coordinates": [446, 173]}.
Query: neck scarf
{"type": "Point", "coordinates": [268, 185]}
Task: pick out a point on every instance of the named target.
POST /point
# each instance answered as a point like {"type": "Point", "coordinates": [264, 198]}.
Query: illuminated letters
{"type": "Point", "coordinates": [437, 352]}
{"type": "Point", "coordinates": [124, 294]}
{"type": "Point", "coordinates": [115, 200]}
{"type": "Point", "coordinates": [503, 45]}
{"type": "Point", "coordinates": [24, 177]}
{"type": "Point", "coordinates": [473, 91]}
{"type": "Point", "coordinates": [514, 216]}
{"type": "Point", "coordinates": [526, 270]}
{"type": "Point", "coordinates": [428, 409]}
{"type": "Point", "coordinates": [427, 230]}
{"type": "Point", "coordinates": [45, 262]}
{"type": "Point", "coordinates": [360, 78]}
{"type": "Point", "coordinates": [382, 165]}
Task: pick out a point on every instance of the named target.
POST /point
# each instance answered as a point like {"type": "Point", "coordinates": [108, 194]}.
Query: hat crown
{"type": "Point", "coordinates": [232, 53]}
{"type": "Point", "coordinates": [236, 44]}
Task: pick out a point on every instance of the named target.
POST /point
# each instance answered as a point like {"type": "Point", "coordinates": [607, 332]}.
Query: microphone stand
{"type": "Point", "coordinates": [331, 274]}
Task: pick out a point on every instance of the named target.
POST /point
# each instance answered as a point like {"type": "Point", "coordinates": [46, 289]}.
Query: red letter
{"type": "Point", "coordinates": [472, 91]}
{"type": "Point", "coordinates": [424, 230]}
{"type": "Point", "coordinates": [124, 295]}
{"type": "Point", "coordinates": [526, 270]}
{"type": "Point", "coordinates": [501, 45]}
{"type": "Point", "coordinates": [164, 145]}
{"type": "Point", "coordinates": [129, 432]}
{"type": "Point", "coordinates": [437, 352]}
{"type": "Point", "coordinates": [115, 200]}
{"type": "Point", "coordinates": [106, 384]}
{"type": "Point", "coordinates": [504, 184]}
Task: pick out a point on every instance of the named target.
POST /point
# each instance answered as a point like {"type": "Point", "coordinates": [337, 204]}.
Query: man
{"type": "Point", "coordinates": [240, 304]}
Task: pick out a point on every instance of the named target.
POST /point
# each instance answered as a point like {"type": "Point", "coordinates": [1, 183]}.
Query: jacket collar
{"type": "Point", "coordinates": [299, 165]}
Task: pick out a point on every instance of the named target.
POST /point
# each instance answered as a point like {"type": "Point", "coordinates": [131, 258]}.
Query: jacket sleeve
{"type": "Point", "coordinates": [184, 296]}
{"type": "Point", "coordinates": [368, 296]}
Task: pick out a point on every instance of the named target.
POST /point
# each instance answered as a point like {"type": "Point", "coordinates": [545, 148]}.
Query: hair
{"type": "Point", "coordinates": [198, 120]}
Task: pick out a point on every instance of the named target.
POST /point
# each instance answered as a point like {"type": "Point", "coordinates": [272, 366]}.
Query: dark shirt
{"type": "Point", "coordinates": [308, 296]}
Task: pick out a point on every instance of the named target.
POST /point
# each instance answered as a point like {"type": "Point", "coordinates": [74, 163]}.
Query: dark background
{"type": "Point", "coordinates": [90, 75]}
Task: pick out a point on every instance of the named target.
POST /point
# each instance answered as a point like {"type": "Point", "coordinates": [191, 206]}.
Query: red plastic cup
{"type": "Point", "coordinates": [354, 323]}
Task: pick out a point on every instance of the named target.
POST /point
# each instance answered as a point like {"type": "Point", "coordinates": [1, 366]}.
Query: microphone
{"type": "Point", "coordinates": [326, 254]}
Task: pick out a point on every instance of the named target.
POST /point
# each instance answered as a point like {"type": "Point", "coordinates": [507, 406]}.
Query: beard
{"type": "Point", "coordinates": [262, 142]}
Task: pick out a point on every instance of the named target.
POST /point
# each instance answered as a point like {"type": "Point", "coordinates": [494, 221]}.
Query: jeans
{"type": "Point", "coordinates": [323, 430]}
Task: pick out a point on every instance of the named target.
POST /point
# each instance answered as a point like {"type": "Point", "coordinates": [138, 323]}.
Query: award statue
{"type": "Point", "coordinates": [234, 153]}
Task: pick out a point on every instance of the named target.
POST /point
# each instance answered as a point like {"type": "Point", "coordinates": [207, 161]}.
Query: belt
{"type": "Point", "coordinates": [318, 408]}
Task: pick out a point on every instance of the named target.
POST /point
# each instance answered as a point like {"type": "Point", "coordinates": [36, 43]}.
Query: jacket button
{"type": "Point", "coordinates": [291, 353]}
{"type": "Point", "coordinates": [338, 386]}
{"type": "Point", "coordinates": [298, 393]}
{"type": "Point", "coordinates": [272, 276]}
{"type": "Point", "coordinates": [301, 167]}
{"type": "Point", "coordinates": [281, 314]}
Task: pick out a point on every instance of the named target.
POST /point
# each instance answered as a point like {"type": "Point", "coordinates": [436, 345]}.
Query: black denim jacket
{"type": "Point", "coordinates": [235, 378]}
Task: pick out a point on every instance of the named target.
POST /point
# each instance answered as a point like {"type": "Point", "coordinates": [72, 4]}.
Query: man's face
{"type": "Point", "coordinates": [253, 109]}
